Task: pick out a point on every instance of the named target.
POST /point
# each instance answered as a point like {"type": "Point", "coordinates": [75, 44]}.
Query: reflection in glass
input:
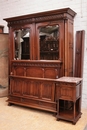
{"type": "Point", "coordinates": [49, 42]}
{"type": "Point", "coordinates": [22, 46]}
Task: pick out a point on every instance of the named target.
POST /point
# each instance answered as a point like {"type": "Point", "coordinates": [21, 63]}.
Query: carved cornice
{"type": "Point", "coordinates": [48, 18]}
{"type": "Point", "coordinates": [57, 65]}
{"type": "Point", "coordinates": [35, 20]}
{"type": "Point", "coordinates": [42, 16]}
{"type": "Point", "coordinates": [19, 22]}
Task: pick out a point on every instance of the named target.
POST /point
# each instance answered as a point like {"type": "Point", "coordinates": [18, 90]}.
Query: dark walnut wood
{"type": "Point", "coordinates": [45, 58]}
{"type": "Point", "coordinates": [69, 98]}
{"type": "Point", "coordinates": [79, 53]}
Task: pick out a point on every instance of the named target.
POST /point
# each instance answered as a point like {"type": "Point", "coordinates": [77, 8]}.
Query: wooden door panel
{"type": "Point", "coordinates": [34, 72]}
{"type": "Point", "coordinates": [19, 71]}
{"type": "Point", "coordinates": [27, 88]}
{"type": "Point", "coordinates": [16, 87]}
{"type": "Point", "coordinates": [47, 92]}
{"type": "Point", "coordinates": [31, 89]}
{"type": "Point", "coordinates": [51, 73]}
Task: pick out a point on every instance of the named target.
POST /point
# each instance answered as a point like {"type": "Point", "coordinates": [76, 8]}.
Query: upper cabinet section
{"type": "Point", "coordinates": [45, 37]}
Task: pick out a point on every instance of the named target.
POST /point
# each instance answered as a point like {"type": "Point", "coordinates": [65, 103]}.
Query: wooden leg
{"type": "Point", "coordinates": [54, 114]}
{"type": "Point", "coordinates": [74, 123]}
{"type": "Point", "coordinates": [57, 119]}
{"type": "Point", "coordinates": [10, 104]}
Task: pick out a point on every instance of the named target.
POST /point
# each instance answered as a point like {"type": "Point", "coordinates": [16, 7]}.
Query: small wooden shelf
{"type": "Point", "coordinates": [67, 111]}
{"type": "Point", "coordinates": [67, 114]}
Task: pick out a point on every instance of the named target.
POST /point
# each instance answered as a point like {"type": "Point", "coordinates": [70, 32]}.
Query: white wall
{"type": "Point", "coordinates": [11, 8]}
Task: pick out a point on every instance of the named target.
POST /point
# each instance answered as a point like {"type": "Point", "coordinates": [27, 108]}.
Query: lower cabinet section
{"type": "Point", "coordinates": [32, 83]}
{"type": "Point", "coordinates": [32, 88]}
{"type": "Point", "coordinates": [33, 92]}
{"type": "Point", "coordinates": [61, 96]}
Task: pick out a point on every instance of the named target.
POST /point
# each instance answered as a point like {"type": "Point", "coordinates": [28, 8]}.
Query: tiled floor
{"type": "Point", "coordinates": [21, 118]}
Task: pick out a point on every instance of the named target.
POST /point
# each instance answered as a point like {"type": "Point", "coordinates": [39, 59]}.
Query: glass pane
{"type": "Point", "coordinates": [22, 44]}
{"type": "Point", "coordinates": [49, 42]}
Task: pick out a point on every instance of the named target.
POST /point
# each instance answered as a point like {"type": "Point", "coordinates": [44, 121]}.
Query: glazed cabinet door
{"type": "Point", "coordinates": [21, 42]}
{"type": "Point", "coordinates": [50, 40]}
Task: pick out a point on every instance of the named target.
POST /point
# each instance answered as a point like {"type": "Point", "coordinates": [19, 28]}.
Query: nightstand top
{"type": "Point", "coordinates": [70, 79]}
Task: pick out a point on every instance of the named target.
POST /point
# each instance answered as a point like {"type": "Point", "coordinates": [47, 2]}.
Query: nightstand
{"type": "Point", "coordinates": [69, 98]}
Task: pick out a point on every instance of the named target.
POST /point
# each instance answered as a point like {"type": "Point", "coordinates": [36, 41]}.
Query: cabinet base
{"type": "Point", "coordinates": [45, 108]}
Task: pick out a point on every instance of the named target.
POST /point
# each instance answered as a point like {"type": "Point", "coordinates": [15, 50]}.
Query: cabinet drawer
{"type": "Point", "coordinates": [66, 91]}
{"type": "Point", "coordinates": [41, 104]}
{"type": "Point", "coordinates": [69, 91]}
{"type": "Point", "coordinates": [47, 104]}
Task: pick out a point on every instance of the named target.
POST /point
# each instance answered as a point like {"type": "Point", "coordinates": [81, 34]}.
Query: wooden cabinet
{"type": "Point", "coordinates": [69, 98]}
{"type": "Point", "coordinates": [40, 51]}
